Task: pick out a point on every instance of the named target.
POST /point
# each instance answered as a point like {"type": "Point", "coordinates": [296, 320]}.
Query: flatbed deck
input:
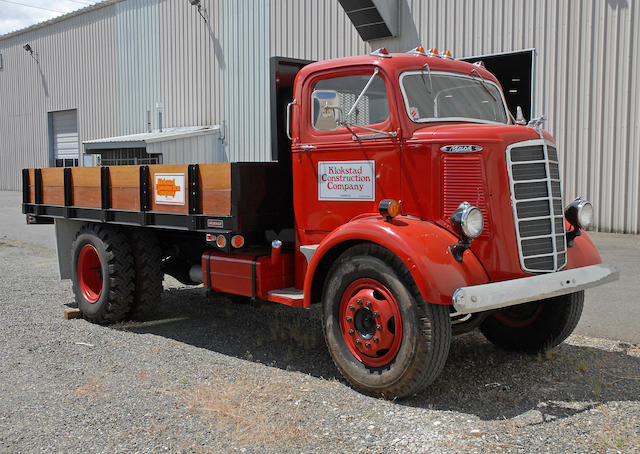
{"type": "Point", "coordinates": [213, 198]}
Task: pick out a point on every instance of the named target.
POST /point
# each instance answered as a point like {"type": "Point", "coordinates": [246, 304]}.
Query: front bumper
{"type": "Point", "coordinates": [485, 297]}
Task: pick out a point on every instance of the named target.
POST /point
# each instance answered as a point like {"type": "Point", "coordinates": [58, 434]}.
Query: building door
{"type": "Point", "coordinates": [63, 138]}
{"type": "Point", "coordinates": [514, 71]}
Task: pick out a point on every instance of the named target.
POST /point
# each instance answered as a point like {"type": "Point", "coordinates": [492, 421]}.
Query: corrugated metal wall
{"type": "Point", "coordinates": [109, 65]}
{"type": "Point", "coordinates": [73, 70]}
{"type": "Point", "coordinates": [586, 80]}
{"type": "Point", "coordinates": [312, 30]}
{"type": "Point", "coordinates": [245, 46]}
{"type": "Point", "coordinates": [138, 50]}
{"type": "Point", "coordinates": [191, 62]}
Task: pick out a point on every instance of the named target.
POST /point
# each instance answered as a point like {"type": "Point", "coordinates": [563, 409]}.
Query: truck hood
{"type": "Point", "coordinates": [478, 175]}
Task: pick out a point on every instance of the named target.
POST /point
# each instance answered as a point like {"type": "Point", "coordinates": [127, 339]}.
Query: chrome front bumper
{"type": "Point", "coordinates": [478, 298]}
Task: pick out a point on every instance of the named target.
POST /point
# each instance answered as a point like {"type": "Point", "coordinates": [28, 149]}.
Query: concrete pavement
{"type": "Point", "coordinates": [611, 311]}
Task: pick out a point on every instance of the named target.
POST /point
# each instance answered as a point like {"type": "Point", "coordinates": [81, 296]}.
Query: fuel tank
{"type": "Point", "coordinates": [511, 173]}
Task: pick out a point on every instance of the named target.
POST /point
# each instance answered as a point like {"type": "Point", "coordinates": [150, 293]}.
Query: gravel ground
{"type": "Point", "coordinates": [209, 375]}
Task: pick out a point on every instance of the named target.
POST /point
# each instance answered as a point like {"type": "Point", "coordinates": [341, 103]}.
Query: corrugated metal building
{"type": "Point", "coordinates": [105, 66]}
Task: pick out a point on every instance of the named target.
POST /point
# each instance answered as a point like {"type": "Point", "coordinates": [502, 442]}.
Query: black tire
{"type": "Point", "coordinates": [147, 257]}
{"type": "Point", "coordinates": [108, 296]}
{"type": "Point", "coordinates": [533, 327]}
{"type": "Point", "coordinates": [426, 330]}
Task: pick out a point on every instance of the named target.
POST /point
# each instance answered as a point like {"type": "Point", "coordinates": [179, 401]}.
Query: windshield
{"type": "Point", "coordinates": [436, 96]}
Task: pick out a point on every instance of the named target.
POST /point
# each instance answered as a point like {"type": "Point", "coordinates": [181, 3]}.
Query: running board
{"type": "Point", "coordinates": [288, 296]}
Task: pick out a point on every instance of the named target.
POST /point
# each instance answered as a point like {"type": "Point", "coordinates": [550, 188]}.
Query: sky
{"type": "Point", "coordinates": [17, 14]}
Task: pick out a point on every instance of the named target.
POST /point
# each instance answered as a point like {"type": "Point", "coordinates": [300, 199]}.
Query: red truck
{"type": "Point", "coordinates": [408, 202]}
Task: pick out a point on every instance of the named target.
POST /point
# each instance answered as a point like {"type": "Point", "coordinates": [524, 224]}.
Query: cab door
{"type": "Point", "coordinates": [347, 156]}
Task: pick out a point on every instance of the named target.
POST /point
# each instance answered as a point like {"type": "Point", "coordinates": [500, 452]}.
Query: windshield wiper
{"type": "Point", "coordinates": [348, 124]}
{"type": "Point", "coordinates": [484, 84]}
{"type": "Point", "coordinates": [366, 87]}
{"type": "Point", "coordinates": [426, 65]}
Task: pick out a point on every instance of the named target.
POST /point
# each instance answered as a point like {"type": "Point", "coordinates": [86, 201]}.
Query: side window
{"type": "Point", "coordinates": [333, 102]}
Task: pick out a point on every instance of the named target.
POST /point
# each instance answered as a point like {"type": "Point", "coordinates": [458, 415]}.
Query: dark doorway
{"type": "Point", "coordinates": [514, 71]}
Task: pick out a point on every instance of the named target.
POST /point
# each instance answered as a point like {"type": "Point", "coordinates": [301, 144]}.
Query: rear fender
{"type": "Point", "coordinates": [422, 246]}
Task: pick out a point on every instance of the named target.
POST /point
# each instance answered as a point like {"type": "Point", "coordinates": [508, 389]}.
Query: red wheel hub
{"type": "Point", "coordinates": [90, 273]}
{"type": "Point", "coordinates": [370, 322]}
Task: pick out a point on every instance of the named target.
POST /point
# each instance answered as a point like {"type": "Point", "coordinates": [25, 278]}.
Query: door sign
{"type": "Point", "coordinates": [346, 180]}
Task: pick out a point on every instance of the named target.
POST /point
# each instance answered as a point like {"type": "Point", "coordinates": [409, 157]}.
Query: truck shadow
{"type": "Point", "coordinates": [478, 379]}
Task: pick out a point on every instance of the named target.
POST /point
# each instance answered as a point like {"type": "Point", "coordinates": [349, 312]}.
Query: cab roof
{"type": "Point", "coordinates": [397, 63]}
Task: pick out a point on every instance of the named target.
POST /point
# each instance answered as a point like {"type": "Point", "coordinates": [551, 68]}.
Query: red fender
{"type": "Point", "coordinates": [583, 252]}
{"type": "Point", "coordinates": [421, 245]}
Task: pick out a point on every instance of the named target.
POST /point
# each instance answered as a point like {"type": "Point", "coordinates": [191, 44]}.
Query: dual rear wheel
{"type": "Point", "coordinates": [116, 274]}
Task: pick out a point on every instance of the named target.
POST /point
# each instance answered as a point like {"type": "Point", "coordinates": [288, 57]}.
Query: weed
{"type": "Point", "coordinates": [548, 352]}
{"type": "Point", "coordinates": [597, 386]}
{"type": "Point", "coordinates": [582, 365]}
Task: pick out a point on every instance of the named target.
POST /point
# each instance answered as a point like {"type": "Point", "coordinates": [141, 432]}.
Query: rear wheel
{"type": "Point", "coordinates": [103, 275]}
{"type": "Point", "coordinates": [385, 340]}
{"type": "Point", "coordinates": [147, 257]}
{"type": "Point", "coordinates": [532, 327]}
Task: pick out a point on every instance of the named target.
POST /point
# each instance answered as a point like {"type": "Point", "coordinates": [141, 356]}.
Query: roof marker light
{"type": "Point", "coordinates": [418, 51]}
{"type": "Point", "coordinates": [382, 52]}
{"type": "Point", "coordinates": [433, 52]}
{"type": "Point", "coordinates": [479, 64]}
{"type": "Point", "coordinates": [447, 54]}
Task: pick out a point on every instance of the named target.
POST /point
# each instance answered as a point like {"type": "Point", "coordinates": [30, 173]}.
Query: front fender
{"type": "Point", "coordinates": [582, 253]}
{"type": "Point", "coordinates": [422, 246]}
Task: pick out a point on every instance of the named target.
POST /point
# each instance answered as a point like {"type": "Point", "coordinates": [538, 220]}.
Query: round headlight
{"type": "Point", "coordinates": [469, 219]}
{"type": "Point", "coordinates": [579, 213]}
{"type": "Point", "coordinates": [585, 215]}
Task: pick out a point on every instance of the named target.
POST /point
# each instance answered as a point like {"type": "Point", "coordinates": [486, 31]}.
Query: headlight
{"type": "Point", "coordinates": [579, 213]}
{"type": "Point", "coordinates": [469, 219]}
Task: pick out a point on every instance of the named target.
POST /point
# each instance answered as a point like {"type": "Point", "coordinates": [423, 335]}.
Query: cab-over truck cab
{"type": "Point", "coordinates": [477, 227]}
{"type": "Point", "coordinates": [420, 209]}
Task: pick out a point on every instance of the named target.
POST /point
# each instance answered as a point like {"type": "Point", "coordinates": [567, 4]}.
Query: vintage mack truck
{"type": "Point", "coordinates": [406, 201]}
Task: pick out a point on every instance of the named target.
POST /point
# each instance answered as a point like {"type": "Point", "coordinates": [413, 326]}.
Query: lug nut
{"type": "Point", "coordinates": [358, 341]}
{"type": "Point", "coordinates": [379, 327]}
{"type": "Point", "coordinates": [359, 301]}
{"type": "Point", "coordinates": [352, 308]}
{"type": "Point", "coordinates": [376, 340]}
{"type": "Point", "coordinates": [376, 314]}
{"type": "Point", "coordinates": [351, 332]}
{"type": "Point", "coordinates": [368, 303]}
{"type": "Point", "coordinates": [367, 344]}
{"type": "Point", "coordinates": [349, 319]}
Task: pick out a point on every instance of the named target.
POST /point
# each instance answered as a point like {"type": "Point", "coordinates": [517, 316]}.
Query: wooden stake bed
{"type": "Point", "coordinates": [215, 198]}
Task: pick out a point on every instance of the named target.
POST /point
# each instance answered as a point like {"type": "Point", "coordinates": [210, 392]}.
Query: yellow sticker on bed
{"type": "Point", "coordinates": [169, 188]}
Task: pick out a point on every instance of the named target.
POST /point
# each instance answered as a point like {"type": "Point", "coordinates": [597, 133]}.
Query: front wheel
{"type": "Point", "coordinates": [385, 340]}
{"type": "Point", "coordinates": [532, 327]}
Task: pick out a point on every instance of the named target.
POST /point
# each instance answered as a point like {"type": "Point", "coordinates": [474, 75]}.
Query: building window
{"type": "Point", "coordinates": [68, 162]}
{"type": "Point", "coordinates": [128, 156]}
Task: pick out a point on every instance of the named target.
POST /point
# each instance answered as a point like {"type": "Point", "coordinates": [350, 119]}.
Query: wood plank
{"type": "Point", "coordinates": [72, 313]}
{"type": "Point", "coordinates": [86, 187]}
{"type": "Point", "coordinates": [215, 189]}
{"type": "Point", "coordinates": [125, 187]}
{"type": "Point", "coordinates": [53, 186]}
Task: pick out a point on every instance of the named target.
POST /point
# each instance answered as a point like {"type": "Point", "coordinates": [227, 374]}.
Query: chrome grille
{"type": "Point", "coordinates": [536, 197]}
